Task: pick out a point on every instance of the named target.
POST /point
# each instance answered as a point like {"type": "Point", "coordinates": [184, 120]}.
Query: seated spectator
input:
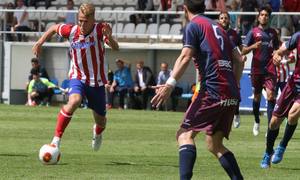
{"type": "Point", "coordinates": [109, 96]}
{"type": "Point", "coordinates": [40, 90]}
{"type": "Point", "coordinates": [167, 5]}
{"type": "Point", "coordinates": [246, 21]}
{"type": "Point", "coordinates": [70, 17]}
{"type": "Point", "coordinates": [35, 3]}
{"type": "Point", "coordinates": [10, 21]}
{"type": "Point", "coordinates": [142, 5]}
{"type": "Point", "coordinates": [122, 84]}
{"type": "Point", "coordinates": [162, 78]}
{"type": "Point", "coordinates": [35, 64]}
{"type": "Point", "coordinates": [144, 80]}
{"type": "Point", "coordinates": [22, 20]}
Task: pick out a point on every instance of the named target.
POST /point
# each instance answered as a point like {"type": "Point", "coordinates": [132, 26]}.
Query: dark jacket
{"type": "Point", "coordinates": [148, 77]}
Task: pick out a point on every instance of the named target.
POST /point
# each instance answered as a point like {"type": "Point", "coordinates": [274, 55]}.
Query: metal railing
{"type": "Point", "coordinates": [115, 19]}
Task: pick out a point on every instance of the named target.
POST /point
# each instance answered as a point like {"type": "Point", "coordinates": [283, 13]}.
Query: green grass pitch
{"type": "Point", "coordinates": [137, 145]}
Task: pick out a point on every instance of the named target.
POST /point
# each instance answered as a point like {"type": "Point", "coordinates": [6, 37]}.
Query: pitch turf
{"type": "Point", "coordinates": [138, 145]}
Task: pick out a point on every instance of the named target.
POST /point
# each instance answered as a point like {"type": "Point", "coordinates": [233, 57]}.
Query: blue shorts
{"type": "Point", "coordinates": [94, 95]}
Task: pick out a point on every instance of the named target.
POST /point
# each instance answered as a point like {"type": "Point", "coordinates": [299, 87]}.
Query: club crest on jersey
{"type": "Point", "coordinates": [258, 34]}
{"type": "Point", "coordinates": [82, 45]}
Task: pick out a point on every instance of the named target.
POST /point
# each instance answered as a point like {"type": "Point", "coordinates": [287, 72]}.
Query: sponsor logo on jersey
{"type": "Point", "coordinates": [82, 45]}
{"type": "Point", "coordinates": [229, 102]}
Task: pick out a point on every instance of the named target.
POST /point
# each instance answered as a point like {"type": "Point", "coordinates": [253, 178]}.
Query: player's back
{"type": "Point", "coordinates": [213, 57]}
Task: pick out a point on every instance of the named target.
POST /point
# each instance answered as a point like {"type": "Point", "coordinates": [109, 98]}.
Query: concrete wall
{"type": "Point", "coordinates": [55, 58]}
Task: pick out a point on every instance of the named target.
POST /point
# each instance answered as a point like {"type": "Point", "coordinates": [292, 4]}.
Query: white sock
{"type": "Point", "coordinates": [56, 141]}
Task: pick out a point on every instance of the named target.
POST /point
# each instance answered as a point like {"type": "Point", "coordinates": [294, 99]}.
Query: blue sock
{"type": "Point", "coordinates": [271, 137]}
{"type": "Point", "coordinates": [270, 108]}
{"type": "Point", "coordinates": [187, 157]}
{"type": "Point", "coordinates": [288, 133]}
{"type": "Point", "coordinates": [255, 106]}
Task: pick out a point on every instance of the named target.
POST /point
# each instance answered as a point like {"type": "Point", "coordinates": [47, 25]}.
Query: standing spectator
{"type": "Point", "coordinates": [40, 90]}
{"type": "Point", "coordinates": [262, 40]}
{"type": "Point", "coordinates": [10, 21]}
{"type": "Point", "coordinates": [162, 78]}
{"type": "Point", "coordinates": [22, 19]}
{"type": "Point", "coordinates": [246, 21]}
{"type": "Point", "coordinates": [144, 80]}
{"type": "Point", "coordinates": [70, 17]}
{"type": "Point", "coordinates": [142, 5]}
{"type": "Point", "coordinates": [122, 83]}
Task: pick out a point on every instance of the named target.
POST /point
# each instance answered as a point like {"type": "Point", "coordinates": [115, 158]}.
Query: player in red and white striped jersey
{"type": "Point", "coordinates": [87, 72]}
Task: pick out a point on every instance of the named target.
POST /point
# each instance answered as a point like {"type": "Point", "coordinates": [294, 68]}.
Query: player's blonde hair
{"type": "Point", "coordinates": [87, 9]}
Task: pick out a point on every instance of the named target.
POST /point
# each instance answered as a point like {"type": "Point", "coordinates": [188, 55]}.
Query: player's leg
{"type": "Point", "coordinates": [66, 112]}
{"type": "Point", "coordinates": [96, 102]}
{"type": "Point", "coordinates": [237, 118]}
{"type": "Point", "coordinates": [187, 153]}
{"type": "Point", "coordinates": [270, 86]}
{"type": "Point", "coordinates": [98, 128]}
{"type": "Point", "coordinates": [290, 127]}
{"type": "Point", "coordinates": [272, 134]}
{"type": "Point", "coordinates": [256, 106]}
{"type": "Point", "coordinates": [257, 84]}
{"type": "Point", "coordinates": [226, 158]}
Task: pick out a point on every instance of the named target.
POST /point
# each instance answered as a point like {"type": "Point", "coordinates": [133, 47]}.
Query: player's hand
{"type": "Point", "coordinates": [36, 49]}
{"type": "Point", "coordinates": [111, 89]}
{"type": "Point", "coordinates": [106, 30]}
{"type": "Point", "coordinates": [257, 45]}
{"type": "Point", "coordinates": [244, 58]}
{"type": "Point", "coordinates": [163, 92]}
{"type": "Point", "coordinates": [276, 59]}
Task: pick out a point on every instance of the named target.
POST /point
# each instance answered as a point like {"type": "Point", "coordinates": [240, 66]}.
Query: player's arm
{"type": "Point", "coordinates": [109, 40]}
{"type": "Point", "coordinates": [164, 91]}
{"type": "Point", "coordinates": [247, 49]}
{"type": "Point", "coordinates": [238, 64]}
{"type": "Point", "coordinates": [36, 49]}
{"type": "Point", "coordinates": [277, 57]}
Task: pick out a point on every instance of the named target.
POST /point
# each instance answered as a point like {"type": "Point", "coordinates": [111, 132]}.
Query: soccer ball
{"type": "Point", "coordinates": [49, 154]}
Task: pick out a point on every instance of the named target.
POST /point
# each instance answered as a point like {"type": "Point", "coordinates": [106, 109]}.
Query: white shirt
{"type": "Point", "coordinates": [141, 80]}
{"type": "Point", "coordinates": [19, 15]}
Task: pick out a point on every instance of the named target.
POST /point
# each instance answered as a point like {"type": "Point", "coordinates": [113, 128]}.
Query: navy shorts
{"type": "Point", "coordinates": [94, 95]}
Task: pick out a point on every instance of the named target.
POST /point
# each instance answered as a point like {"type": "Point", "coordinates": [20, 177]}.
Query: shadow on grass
{"type": "Point", "coordinates": [14, 155]}
{"type": "Point", "coordinates": [287, 168]}
{"type": "Point", "coordinates": [114, 163]}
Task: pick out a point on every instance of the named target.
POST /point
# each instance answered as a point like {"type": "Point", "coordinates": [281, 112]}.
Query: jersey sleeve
{"type": "Point", "coordinates": [292, 43]}
{"type": "Point", "coordinates": [30, 86]}
{"type": "Point", "coordinates": [190, 38]}
{"type": "Point", "coordinates": [47, 83]}
{"type": "Point", "coordinates": [248, 41]}
{"type": "Point", "coordinates": [64, 30]}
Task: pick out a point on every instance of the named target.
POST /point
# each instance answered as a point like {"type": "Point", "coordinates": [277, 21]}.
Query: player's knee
{"type": "Point", "coordinates": [74, 102]}
{"type": "Point", "coordinates": [275, 123]}
{"type": "Point", "coordinates": [183, 137]}
{"type": "Point", "coordinates": [293, 117]}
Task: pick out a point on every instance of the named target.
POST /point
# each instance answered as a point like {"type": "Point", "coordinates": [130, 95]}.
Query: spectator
{"type": "Point", "coordinates": [234, 6]}
{"type": "Point", "coordinates": [122, 84]}
{"type": "Point", "coordinates": [70, 17]}
{"type": "Point", "coordinates": [215, 5]}
{"type": "Point", "coordinates": [162, 78]}
{"type": "Point", "coordinates": [41, 70]}
{"type": "Point", "coordinates": [10, 21]}
{"type": "Point", "coordinates": [293, 6]}
{"type": "Point", "coordinates": [167, 5]}
{"type": "Point", "coordinates": [35, 3]}
{"type": "Point", "coordinates": [246, 21]}
{"type": "Point", "coordinates": [22, 19]}
{"type": "Point", "coordinates": [142, 5]}
{"type": "Point", "coordinates": [40, 90]}
{"type": "Point", "coordinates": [285, 23]}
{"type": "Point", "coordinates": [144, 81]}
{"type": "Point", "coordinates": [275, 5]}
{"type": "Point", "coordinates": [109, 96]}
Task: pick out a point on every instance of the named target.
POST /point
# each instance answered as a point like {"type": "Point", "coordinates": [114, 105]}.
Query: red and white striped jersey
{"type": "Point", "coordinates": [87, 54]}
{"type": "Point", "coordinates": [283, 70]}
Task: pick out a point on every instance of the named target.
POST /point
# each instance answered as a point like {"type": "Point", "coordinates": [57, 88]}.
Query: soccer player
{"type": "Point", "coordinates": [87, 74]}
{"type": "Point", "coordinates": [288, 105]}
{"type": "Point", "coordinates": [262, 40]}
{"type": "Point", "coordinates": [220, 67]}
{"type": "Point", "coordinates": [224, 21]}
